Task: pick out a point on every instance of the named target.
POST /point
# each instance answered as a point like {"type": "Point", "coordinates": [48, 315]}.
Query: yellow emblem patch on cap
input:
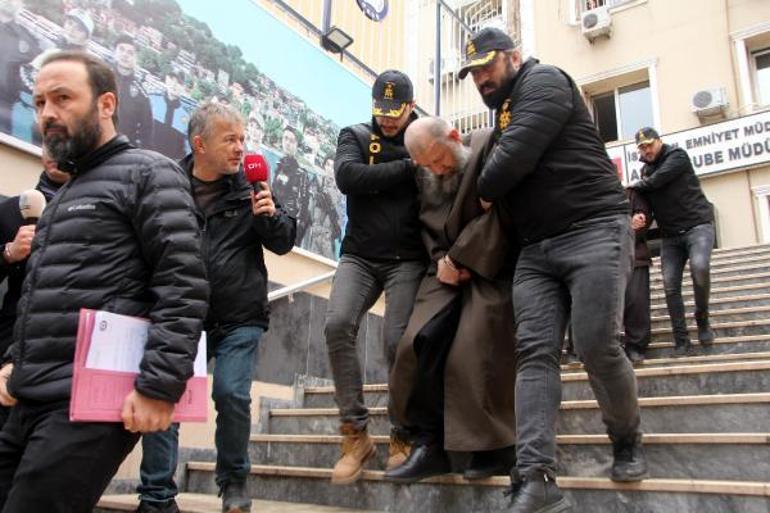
{"type": "Point", "coordinates": [389, 91]}
{"type": "Point", "coordinates": [470, 48]}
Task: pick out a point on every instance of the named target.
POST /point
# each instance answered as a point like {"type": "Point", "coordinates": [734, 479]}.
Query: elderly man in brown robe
{"type": "Point", "coordinates": [453, 379]}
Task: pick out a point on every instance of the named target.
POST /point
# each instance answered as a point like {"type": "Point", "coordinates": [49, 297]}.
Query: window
{"type": "Point", "coordinates": [587, 5]}
{"type": "Point", "coordinates": [762, 70]}
{"type": "Point", "coordinates": [621, 112]}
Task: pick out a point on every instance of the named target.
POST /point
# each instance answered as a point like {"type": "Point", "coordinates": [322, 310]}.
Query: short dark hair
{"type": "Point", "coordinates": [100, 76]}
{"type": "Point", "coordinates": [125, 39]}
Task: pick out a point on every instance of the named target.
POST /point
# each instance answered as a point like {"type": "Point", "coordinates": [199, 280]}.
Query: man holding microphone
{"type": "Point", "coordinates": [237, 223]}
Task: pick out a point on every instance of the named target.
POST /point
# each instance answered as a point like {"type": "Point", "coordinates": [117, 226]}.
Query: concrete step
{"type": "Point", "coordinates": [735, 271]}
{"type": "Point", "coordinates": [718, 315]}
{"type": "Point", "coordinates": [741, 456]}
{"type": "Point", "coordinates": [717, 282]}
{"type": "Point", "coordinates": [743, 344]}
{"type": "Point", "coordinates": [722, 413]}
{"type": "Point", "coordinates": [759, 286]}
{"type": "Point", "coordinates": [659, 308]}
{"type": "Point", "coordinates": [452, 494]}
{"type": "Point", "coordinates": [202, 503]}
{"type": "Point", "coordinates": [722, 329]}
{"type": "Point", "coordinates": [681, 378]}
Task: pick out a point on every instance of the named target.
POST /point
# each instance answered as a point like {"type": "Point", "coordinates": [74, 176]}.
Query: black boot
{"type": "Point", "coordinates": [491, 463]}
{"type": "Point", "coordinates": [536, 494]}
{"type": "Point", "coordinates": [424, 461]}
{"type": "Point", "coordinates": [705, 333]}
{"type": "Point", "coordinates": [168, 506]}
{"type": "Point", "coordinates": [683, 348]}
{"type": "Point", "coordinates": [630, 463]}
{"type": "Point", "coordinates": [235, 498]}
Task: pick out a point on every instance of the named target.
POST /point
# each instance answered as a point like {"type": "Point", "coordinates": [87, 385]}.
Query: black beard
{"type": "Point", "coordinates": [63, 147]}
{"type": "Point", "coordinates": [496, 98]}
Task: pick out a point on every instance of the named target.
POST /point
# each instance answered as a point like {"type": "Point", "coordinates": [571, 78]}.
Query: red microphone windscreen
{"type": "Point", "coordinates": [31, 204]}
{"type": "Point", "coordinates": [256, 168]}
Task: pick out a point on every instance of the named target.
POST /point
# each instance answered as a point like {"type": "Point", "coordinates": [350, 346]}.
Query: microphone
{"type": "Point", "coordinates": [256, 168]}
{"type": "Point", "coordinates": [31, 204]}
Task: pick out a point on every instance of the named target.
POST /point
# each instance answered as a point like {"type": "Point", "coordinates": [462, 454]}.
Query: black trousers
{"type": "Point", "coordinates": [636, 316]}
{"type": "Point", "coordinates": [432, 344]}
{"type": "Point", "coordinates": [52, 465]}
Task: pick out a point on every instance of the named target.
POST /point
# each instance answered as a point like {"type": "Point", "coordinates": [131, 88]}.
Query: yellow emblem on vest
{"type": "Point", "coordinates": [504, 116]}
{"type": "Point", "coordinates": [389, 90]}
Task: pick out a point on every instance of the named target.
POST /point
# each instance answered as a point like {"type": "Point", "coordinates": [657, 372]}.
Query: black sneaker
{"type": "Point", "coordinates": [705, 333]}
{"type": "Point", "coordinates": [629, 463]}
{"type": "Point", "coordinates": [169, 506]}
{"type": "Point", "coordinates": [536, 494]}
{"type": "Point", "coordinates": [683, 349]}
{"type": "Point", "coordinates": [235, 498]}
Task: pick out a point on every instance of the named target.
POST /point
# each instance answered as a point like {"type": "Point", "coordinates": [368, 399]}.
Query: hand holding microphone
{"type": "Point", "coordinates": [257, 170]}
{"type": "Point", "coordinates": [31, 205]}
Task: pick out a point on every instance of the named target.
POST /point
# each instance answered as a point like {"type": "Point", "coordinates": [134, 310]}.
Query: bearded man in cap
{"type": "Point", "coordinates": [686, 219]}
{"type": "Point", "coordinates": [573, 222]}
{"type": "Point", "coordinates": [382, 251]}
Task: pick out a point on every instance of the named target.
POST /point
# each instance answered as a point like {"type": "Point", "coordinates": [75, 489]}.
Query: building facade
{"type": "Point", "coordinates": [698, 71]}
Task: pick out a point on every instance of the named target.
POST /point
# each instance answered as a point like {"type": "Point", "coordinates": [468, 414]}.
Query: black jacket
{"type": "Point", "coordinates": [121, 236]}
{"type": "Point", "coordinates": [549, 161]}
{"type": "Point", "coordinates": [639, 205]}
{"type": "Point", "coordinates": [378, 178]}
{"type": "Point", "coordinates": [10, 222]}
{"type": "Point", "coordinates": [232, 239]}
{"type": "Point", "coordinates": [674, 192]}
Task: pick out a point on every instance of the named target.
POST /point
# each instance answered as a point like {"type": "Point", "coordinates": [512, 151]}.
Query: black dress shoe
{"type": "Point", "coordinates": [629, 463]}
{"type": "Point", "coordinates": [536, 494]}
{"type": "Point", "coordinates": [423, 462]}
{"type": "Point", "coordinates": [486, 464]}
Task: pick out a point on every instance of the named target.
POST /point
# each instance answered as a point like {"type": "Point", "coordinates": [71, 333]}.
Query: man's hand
{"type": "Point", "coordinates": [21, 246]}
{"type": "Point", "coordinates": [262, 201]}
{"type": "Point", "coordinates": [142, 414]}
{"type": "Point", "coordinates": [634, 184]}
{"type": "Point", "coordinates": [638, 221]}
{"type": "Point", "coordinates": [486, 205]}
{"type": "Point", "coordinates": [6, 399]}
{"type": "Point", "coordinates": [449, 274]}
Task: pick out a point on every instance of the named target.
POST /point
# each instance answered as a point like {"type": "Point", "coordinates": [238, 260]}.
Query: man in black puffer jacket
{"type": "Point", "coordinates": [237, 224]}
{"type": "Point", "coordinates": [686, 220]}
{"type": "Point", "coordinates": [573, 222]}
{"type": "Point", "coordinates": [121, 236]}
{"type": "Point", "coordinates": [382, 250]}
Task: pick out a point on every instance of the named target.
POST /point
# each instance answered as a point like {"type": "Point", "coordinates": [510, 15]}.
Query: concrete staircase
{"type": "Point", "coordinates": [706, 420]}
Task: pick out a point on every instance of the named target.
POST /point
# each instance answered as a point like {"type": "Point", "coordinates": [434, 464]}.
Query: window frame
{"type": "Point", "coordinates": [753, 55]}
{"type": "Point", "coordinates": [615, 93]}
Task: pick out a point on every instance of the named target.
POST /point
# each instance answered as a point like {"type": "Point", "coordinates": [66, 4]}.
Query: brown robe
{"type": "Point", "coordinates": [480, 372]}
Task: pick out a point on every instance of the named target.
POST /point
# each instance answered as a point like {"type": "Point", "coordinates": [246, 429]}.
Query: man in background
{"type": "Point", "coordinates": [134, 113]}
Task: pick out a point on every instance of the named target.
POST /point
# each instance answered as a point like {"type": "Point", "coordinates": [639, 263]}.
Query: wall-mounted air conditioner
{"type": "Point", "coordinates": [596, 23]}
{"type": "Point", "coordinates": [709, 102]}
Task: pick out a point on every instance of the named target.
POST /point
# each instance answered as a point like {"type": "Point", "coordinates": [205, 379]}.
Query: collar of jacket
{"type": "Point", "coordinates": [397, 139]}
{"type": "Point", "coordinates": [117, 144]}
{"type": "Point", "coordinates": [236, 183]}
{"type": "Point", "coordinates": [523, 70]}
{"type": "Point", "coordinates": [47, 186]}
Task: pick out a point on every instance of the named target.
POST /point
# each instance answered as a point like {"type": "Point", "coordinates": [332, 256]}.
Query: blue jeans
{"type": "Point", "coordinates": [578, 276]}
{"type": "Point", "coordinates": [695, 244]}
{"type": "Point", "coordinates": [236, 358]}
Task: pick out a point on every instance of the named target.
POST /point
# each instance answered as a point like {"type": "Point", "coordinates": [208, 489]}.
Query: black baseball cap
{"type": "Point", "coordinates": [391, 93]}
{"type": "Point", "coordinates": [646, 135]}
{"type": "Point", "coordinates": [482, 47]}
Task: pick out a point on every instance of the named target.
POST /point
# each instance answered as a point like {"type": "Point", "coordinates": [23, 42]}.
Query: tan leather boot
{"type": "Point", "coordinates": [357, 447]}
{"type": "Point", "coordinates": [398, 452]}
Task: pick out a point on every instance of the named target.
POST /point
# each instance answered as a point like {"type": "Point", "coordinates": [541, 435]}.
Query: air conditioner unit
{"type": "Point", "coordinates": [596, 23]}
{"type": "Point", "coordinates": [709, 102]}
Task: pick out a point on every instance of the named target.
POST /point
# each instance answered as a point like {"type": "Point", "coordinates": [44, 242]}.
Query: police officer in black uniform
{"type": "Point", "coordinates": [19, 47]}
{"type": "Point", "coordinates": [134, 112]}
{"type": "Point", "coordinates": [382, 250]}
{"type": "Point", "coordinates": [290, 183]}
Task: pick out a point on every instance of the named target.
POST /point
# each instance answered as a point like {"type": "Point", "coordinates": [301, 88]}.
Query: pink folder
{"type": "Point", "coordinates": [98, 394]}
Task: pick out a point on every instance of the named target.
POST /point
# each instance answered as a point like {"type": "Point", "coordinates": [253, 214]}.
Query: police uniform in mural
{"type": "Point", "coordinates": [290, 185]}
{"type": "Point", "coordinates": [134, 113]}
{"type": "Point", "coordinates": [19, 46]}
{"type": "Point", "coordinates": [170, 118]}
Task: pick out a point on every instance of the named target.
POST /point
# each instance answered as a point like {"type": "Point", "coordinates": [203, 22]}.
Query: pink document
{"type": "Point", "coordinates": [108, 352]}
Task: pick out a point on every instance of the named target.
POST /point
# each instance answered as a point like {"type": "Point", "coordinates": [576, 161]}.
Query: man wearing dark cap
{"type": "Point", "coordinates": [686, 220]}
{"type": "Point", "coordinates": [382, 250]}
{"type": "Point", "coordinates": [134, 113]}
{"type": "Point", "coordinates": [572, 220]}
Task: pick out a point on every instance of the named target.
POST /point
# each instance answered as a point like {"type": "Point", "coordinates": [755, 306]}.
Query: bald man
{"type": "Point", "coordinates": [452, 382]}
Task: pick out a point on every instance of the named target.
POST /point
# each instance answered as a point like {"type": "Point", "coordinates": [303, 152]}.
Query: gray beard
{"type": "Point", "coordinates": [439, 190]}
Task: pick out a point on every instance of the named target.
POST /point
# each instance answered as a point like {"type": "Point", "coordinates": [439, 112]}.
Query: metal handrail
{"type": "Point", "coordinates": [298, 287]}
